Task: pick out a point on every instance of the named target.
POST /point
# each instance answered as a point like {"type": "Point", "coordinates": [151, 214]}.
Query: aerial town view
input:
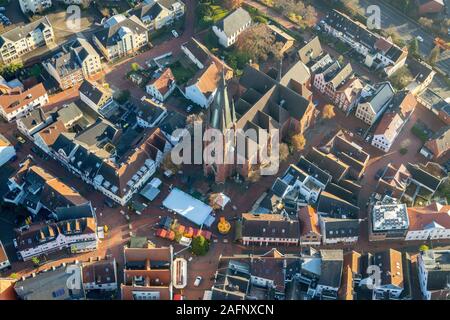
{"type": "Point", "coordinates": [257, 150]}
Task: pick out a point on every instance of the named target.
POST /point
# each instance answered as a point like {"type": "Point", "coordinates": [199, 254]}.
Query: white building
{"type": "Point", "coordinates": [4, 261]}
{"type": "Point", "coordinates": [434, 274]}
{"type": "Point", "coordinates": [429, 223]}
{"type": "Point", "coordinates": [161, 87]}
{"type": "Point", "coordinates": [121, 37]}
{"type": "Point", "coordinates": [79, 235]}
{"type": "Point", "coordinates": [156, 14]}
{"type": "Point", "coordinates": [17, 103]}
{"type": "Point", "coordinates": [7, 150]}
{"type": "Point", "coordinates": [100, 275]}
{"type": "Point", "coordinates": [23, 39]}
{"type": "Point", "coordinates": [269, 229]}
{"type": "Point", "coordinates": [34, 6]}
{"type": "Point", "coordinates": [228, 29]}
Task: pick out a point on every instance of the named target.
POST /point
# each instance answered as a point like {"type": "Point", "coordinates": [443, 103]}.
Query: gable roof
{"type": "Point", "coordinates": [23, 31]}
{"type": "Point", "coordinates": [18, 99]}
{"type": "Point", "coordinates": [269, 226]}
{"type": "Point", "coordinates": [310, 51]}
{"type": "Point", "coordinates": [439, 145]}
{"type": "Point", "coordinates": [421, 218]}
{"type": "Point", "coordinates": [234, 21]}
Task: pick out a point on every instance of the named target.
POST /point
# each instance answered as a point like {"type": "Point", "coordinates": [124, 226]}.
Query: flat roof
{"type": "Point", "coordinates": [184, 204]}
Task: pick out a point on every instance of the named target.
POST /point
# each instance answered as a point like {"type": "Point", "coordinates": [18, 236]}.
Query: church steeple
{"type": "Point", "coordinates": [221, 113]}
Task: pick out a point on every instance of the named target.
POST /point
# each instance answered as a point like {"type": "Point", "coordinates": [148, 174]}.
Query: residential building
{"type": "Point", "coordinates": [147, 274]}
{"type": "Point", "coordinates": [351, 275]}
{"type": "Point", "coordinates": [202, 88]}
{"type": "Point", "coordinates": [150, 115]}
{"type": "Point", "coordinates": [374, 101]}
{"type": "Point", "coordinates": [338, 219]}
{"type": "Point", "coordinates": [88, 155]}
{"type": "Point", "coordinates": [86, 56]}
{"type": "Point", "coordinates": [388, 220]}
{"type": "Point", "coordinates": [246, 277]}
{"type": "Point", "coordinates": [391, 283]}
{"type": "Point", "coordinates": [437, 148]}
{"type": "Point", "coordinates": [393, 181]}
{"type": "Point", "coordinates": [100, 275]}
{"type": "Point", "coordinates": [311, 51]}
{"type": "Point", "coordinates": [156, 14]}
{"type": "Point", "coordinates": [52, 284]}
{"type": "Point", "coordinates": [65, 69]}
{"type": "Point", "coordinates": [197, 53]}
{"type": "Point", "coordinates": [434, 274]}
{"type": "Point", "coordinates": [7, 150]}
{"type": "Point", "coordinates": [330, 274]}
{"type": "Point", "coordinates": [7, 291]}
{"type": "Point", "coordinates": [342, 158]}
{"type": "Point", "coordinates": [378, 52]}
{"type": "Point", "coordinates": [430, 6]}
{"type": "Point", "coordinates": [121, 37]}
{"type": "Point", "coordinates": [228, 29]}
{"type": "Point", "coordinates": [286, 41]}
{"type": "Point", "coordinates": [337, 82]}
{"type": "Point", "coordinates": [4, 260]}
{"type": "Point", "coordinates": [425, 179]}
{"type": "Point", "coordinates": [35, 188]}
{"type": "Point", "coordinates": [99, 98]}
{"type": "Point", "coordinates": [23, 39]}
{"type": "Point", "coordinates": [161, 87]}
{"type": "Point", "coordinates": [429, 223]}
{"type": "Point", "coordinates": [34, 6]}
{"type": "Point", "coordinates": [437, 104]}
{"type": "Point", "coordinates": [78, 235]}
{"type": "Point", "coordinates": [17, 103]}
{"type": "Point", "coordinates": [33, 122]}
{"type": "Point", "coordinates": [305, 179]}
{"type": "Point", "coordinates": [422, 74]}
{"type": "Point", "coordinates": [398, 112]}
{"type": "Point", "coordinates": [269, 229]}
{"type": "Point", "coordinates": [309, 226]}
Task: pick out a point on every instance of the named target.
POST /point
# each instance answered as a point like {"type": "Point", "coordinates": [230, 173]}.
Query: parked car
{"type": "Point", "coordinates": [175, 34]}
{"type": "Point", "coordinates": [419, 38]}
{"type": "Point", "coordinates": [197, 281]}
{"type": "Point", "coordinates": [2, 9]}
{"type": "Point", "coordinates": [189, 108]}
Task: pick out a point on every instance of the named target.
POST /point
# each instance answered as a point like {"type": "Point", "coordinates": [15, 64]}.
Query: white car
{"type": "Point", "coordinates": [143, 98]}
{"type": "Point", "coordinates": [419, 38]}
{"type": "Point", "coordinates": [175, 34]}
{"type": "Point", "coordinates": [197, 281]}
{"type": "Point", "coordinates": [189, 108]}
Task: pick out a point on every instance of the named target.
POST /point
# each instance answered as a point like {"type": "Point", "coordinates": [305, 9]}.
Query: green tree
{"type": "Point", "coordinates": [36, 261]}
{"type": "Point", "coordinates": [401, 78]}
{"type": "Point", "coordinates": [123, 96]}
{"type": "Point", "coordinates": [414, 47]}
{"type": "Point", "coordinates": [135, 67]}
{"type": "Point", "coordinates": [423, 248]}
{"type": "Point", "coordinates": [200, 245]}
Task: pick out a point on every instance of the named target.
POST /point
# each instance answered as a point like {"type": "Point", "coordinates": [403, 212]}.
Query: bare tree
{"type": "Point", "coordinates": [232, 4]}
{"type": "Point", "coordinates": [257, 42]}
{"type": "Point", "coordinates": [298, 141]}
{"type": "Point", "coordinates": [284, 151]}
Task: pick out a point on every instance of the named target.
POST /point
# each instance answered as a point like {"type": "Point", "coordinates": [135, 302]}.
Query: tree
{"type": "Point", "coordinates": [10, 70]}
{"type": "Point", "coordinates": [423, 248]}
{"type": "Point", "coordinates": [232, 4]}
{"type": "Point", "coordinates": [135, 67]}
{"type": "Point", "coordinates": [213, 201]}
{"type": "Point", "coordinates": [427, 23]}
{"type": "Point", "coordinates": [14, 276]}
{"type": "Point", "coordinates": [304, 16]}
{"type": "Point", "coordinates": [35, 261]}
{"type": "Point", "coordinates": [257, 43]}
{"type": "Point", "coordinates": [414, 47]}
{"type": "Point", "coordinates": [434, 55]}
{"type": "Point", "coordinates": [401, 78]}
{"type": "Point", "coordinates": [123, 96]}
{"type": "Point", "coordinates": [328, 111]}
{"type": "Point", "coordinates": [167, 163]}
{"type": "Point", "coordinates": [200, 245]}
{"type": "Point", "coordinates": [298, 141]}
{"type": "Point", "coordinates": [254, 176]}
{"type": "Point", "coordinates": [284, 151]}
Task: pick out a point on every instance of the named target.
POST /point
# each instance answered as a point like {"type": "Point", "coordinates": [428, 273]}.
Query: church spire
{"type": "Point", "coordinates": [221, 114]}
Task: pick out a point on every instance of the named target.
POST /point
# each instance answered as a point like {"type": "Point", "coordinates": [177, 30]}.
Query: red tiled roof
{"type": "Point", "coordinates": [420, 217]}
{"type": "Point", "coordinates": [17, 99]}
